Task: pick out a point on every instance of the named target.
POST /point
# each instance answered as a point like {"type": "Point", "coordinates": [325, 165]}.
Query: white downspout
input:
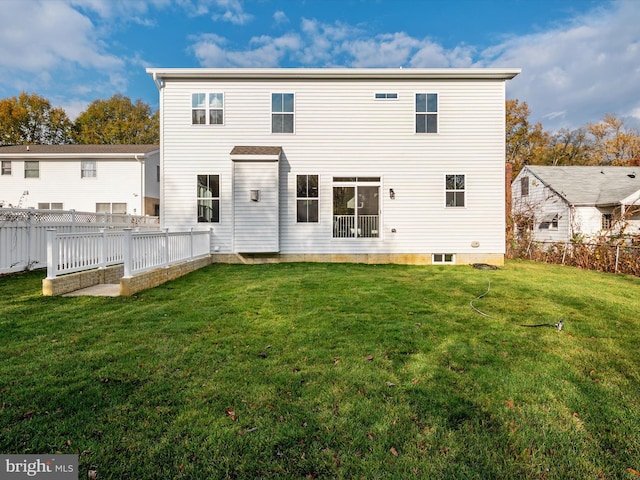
{"type": "Point", "coordinates": [142, 183]}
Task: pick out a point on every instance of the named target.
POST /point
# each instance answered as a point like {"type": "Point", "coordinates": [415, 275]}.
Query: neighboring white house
{"type": "Point", "coordinates": [562, 203]}
{"type": "Point", "coordinates": [365, 165]}
{"type": "Point", "coordinates": [89, 178]}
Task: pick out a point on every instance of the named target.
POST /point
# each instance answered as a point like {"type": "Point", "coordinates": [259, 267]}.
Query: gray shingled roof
{"type": "Point", "coordinates": [77, 149]}
{"type": "Point", "coordinates": [590, 185]}
{"type": "Point", "coordinates": [256, 150]}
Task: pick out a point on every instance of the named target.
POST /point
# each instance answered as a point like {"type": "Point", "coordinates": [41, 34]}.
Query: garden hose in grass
{"type": "Point", "coordinates": [558, 326]}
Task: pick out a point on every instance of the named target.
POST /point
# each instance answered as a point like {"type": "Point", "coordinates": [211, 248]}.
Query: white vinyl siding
{"type": "Point", "coordinates": [340, 130]}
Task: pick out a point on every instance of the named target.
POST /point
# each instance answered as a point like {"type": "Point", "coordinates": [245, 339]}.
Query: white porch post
{"type": "Point", "coordinates": [165, 262]}
{"type": "Point", "coordinates": [102, 249]}
{"type": "Point", "coordinates": [127, 253]}
{"type": "Point", "coordinates": [52, 253]}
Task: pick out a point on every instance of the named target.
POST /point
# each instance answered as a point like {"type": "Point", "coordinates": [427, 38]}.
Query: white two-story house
{"type": "Point", "coordinates": [358, 165]}
{"type": "Point", "coordinates": [119, 179]}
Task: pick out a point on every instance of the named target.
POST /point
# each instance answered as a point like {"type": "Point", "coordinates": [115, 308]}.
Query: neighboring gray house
{"type": "Point", "coordinates": [560, 203]}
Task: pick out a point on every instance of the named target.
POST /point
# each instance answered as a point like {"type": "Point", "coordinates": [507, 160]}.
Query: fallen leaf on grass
{"type": "Point", "coordinates": [510, 403]}
{"type": "Point", "coordinates": [231, 413]}
{"type": "Point", "coordinates": [390, 384]}
{"type": "Point", "coordinates": [369, 358]}
{"type": "Point", "coordinates": [394, 452]}
{"type": "Point", "coordinates": [633, 472]}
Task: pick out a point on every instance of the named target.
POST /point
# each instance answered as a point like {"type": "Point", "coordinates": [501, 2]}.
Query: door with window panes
{"type": "Point", "coordinates": [356, 207]}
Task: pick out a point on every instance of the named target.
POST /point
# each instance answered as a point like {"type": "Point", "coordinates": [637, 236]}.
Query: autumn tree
{"type": "Point", "coordinates": [566, 147]}
{"type": "Point", "coordinates": [117, 121]}
{"type": "Point", "coordinates": [30, 119]}
{"type": "Point", "coordinates": [613, 142]}
{"type": "Point", "coordinates": [524, 142]}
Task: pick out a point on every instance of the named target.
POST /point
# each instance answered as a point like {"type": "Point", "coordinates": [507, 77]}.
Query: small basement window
{"type": "Point", "coordinates": [443, 258]}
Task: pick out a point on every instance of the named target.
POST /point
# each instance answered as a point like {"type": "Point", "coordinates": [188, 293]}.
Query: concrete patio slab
{"type": "Point", "coordinates": [102, 290]}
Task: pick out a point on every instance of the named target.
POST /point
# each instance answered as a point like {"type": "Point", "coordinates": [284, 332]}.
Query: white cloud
{"type": "Point", "coordinates": [280, 17]}
{"type": "Point", "coordinates": [576, 73]}
{"type": "Point", "coordinates": [264, 51]}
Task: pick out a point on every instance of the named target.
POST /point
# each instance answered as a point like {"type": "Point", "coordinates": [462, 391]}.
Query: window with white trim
{"type": "Point", "coordinates": [356, 207]}
{"type": "Point", "coordinates": [113, 208]}
{"type": "Point", "coordinates": [524, 186]}
{"type": "Point", "coordinates": [386, 96]}
{"type": "Point", "coordinates": [88, 169]}
{"type": "Point", "coordinates": [282, 112]}
{"type": "Point", "coordinates": [50, 206]}
{"type": "Point", "coordinates": [31, 169]}
{"type": "Point", "coordinates": [426, 113]}
{"type": "Point", "coordinates": [437, 258]}
{"type": "Point", "coordinates": [307, 198]}
{"type": "Point", "coordinates": [208, 198]}
{"type": "Point", "coordinates": [6, 167]}
{"type": "Point", "coordinates": [454, 190]}
{"type": "Point", "coordinates": [207, 108]}
{"type": "Point", "coordinates": [607, 221]}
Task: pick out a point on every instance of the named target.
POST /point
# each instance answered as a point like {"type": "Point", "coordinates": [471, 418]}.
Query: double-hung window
{"type": "Point", "coordinates": [88, 169]}
{"type": "Point", "coordinates": [426, 113]}
{"type": "Point", "coordinates": [6, 167]}
{"type": "Point", "coordinates": [454, 190]}
{"type": "Point", "coordinates": [307, 198]}
{"type": "Point", "coordinates": [208, 198]}
{"type": "Point", "coordinates": [207, 108]}
{"type": "Point", "coordinates": [31, 169]}
{"type": "Point", "coordinates": [282, 112]}
{"type": "Point", "coordinates": [524, 186]}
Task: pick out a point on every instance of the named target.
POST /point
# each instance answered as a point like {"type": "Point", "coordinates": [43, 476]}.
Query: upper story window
{"type": "Point", "coordinates": [207, 108]}
{"type": "Point", "coordinates": [307, 198]}
{"type": "Point", "coordinates": [524, 186]}
{"type": "Point", "coordinates": [6, 167]}
{"type": "Point", "coordinates": [454, 190]}
{"type": "Point", "coordinates": [426, 113]}
{"type": "Point", "coordinates": [386, 96]}
{"type": "Point", "coordinates": [31, 169]}
{"type": "Point", "coordinates": [88, 169]}
{"type": "Point", "coordinates": [282, 112]}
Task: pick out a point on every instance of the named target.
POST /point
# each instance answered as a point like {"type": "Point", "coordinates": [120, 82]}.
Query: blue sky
{"type": "Point", "coordinates": [580, 59]}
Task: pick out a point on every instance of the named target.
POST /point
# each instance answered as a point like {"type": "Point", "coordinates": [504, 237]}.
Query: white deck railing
{"type": "Point", "coordinates": [139, 251]}
{"type": "Point", "coordinates": [344, 226]}
{"type": "Point", "coordinates": [23, 232]}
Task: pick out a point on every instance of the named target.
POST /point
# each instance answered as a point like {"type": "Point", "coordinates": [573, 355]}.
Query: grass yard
{"type": "Point", "coordinates": [330, 371]}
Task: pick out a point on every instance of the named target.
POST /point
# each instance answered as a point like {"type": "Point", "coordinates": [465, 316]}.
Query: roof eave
{"type": "Point", "coordinates": [335, 73]}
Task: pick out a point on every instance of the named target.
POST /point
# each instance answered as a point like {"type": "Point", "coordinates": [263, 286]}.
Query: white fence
{"type": "Point", "coordinates": [139, 251]}
{"type": "Point", "coordinates": [23, 232]}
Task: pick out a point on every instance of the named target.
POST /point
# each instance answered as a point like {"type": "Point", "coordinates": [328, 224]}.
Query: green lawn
{"type": "Point", "coordinates": [330, 371]}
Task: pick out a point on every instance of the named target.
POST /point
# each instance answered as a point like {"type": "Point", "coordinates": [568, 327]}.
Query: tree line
{"type": "Point", "coordinates": [30, 119]}
{"type": "Point", "coordinates": [607, 142]}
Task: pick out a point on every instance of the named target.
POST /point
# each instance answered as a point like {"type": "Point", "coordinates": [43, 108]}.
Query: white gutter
{"type": "Point", "coordinates": [334, 73]}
